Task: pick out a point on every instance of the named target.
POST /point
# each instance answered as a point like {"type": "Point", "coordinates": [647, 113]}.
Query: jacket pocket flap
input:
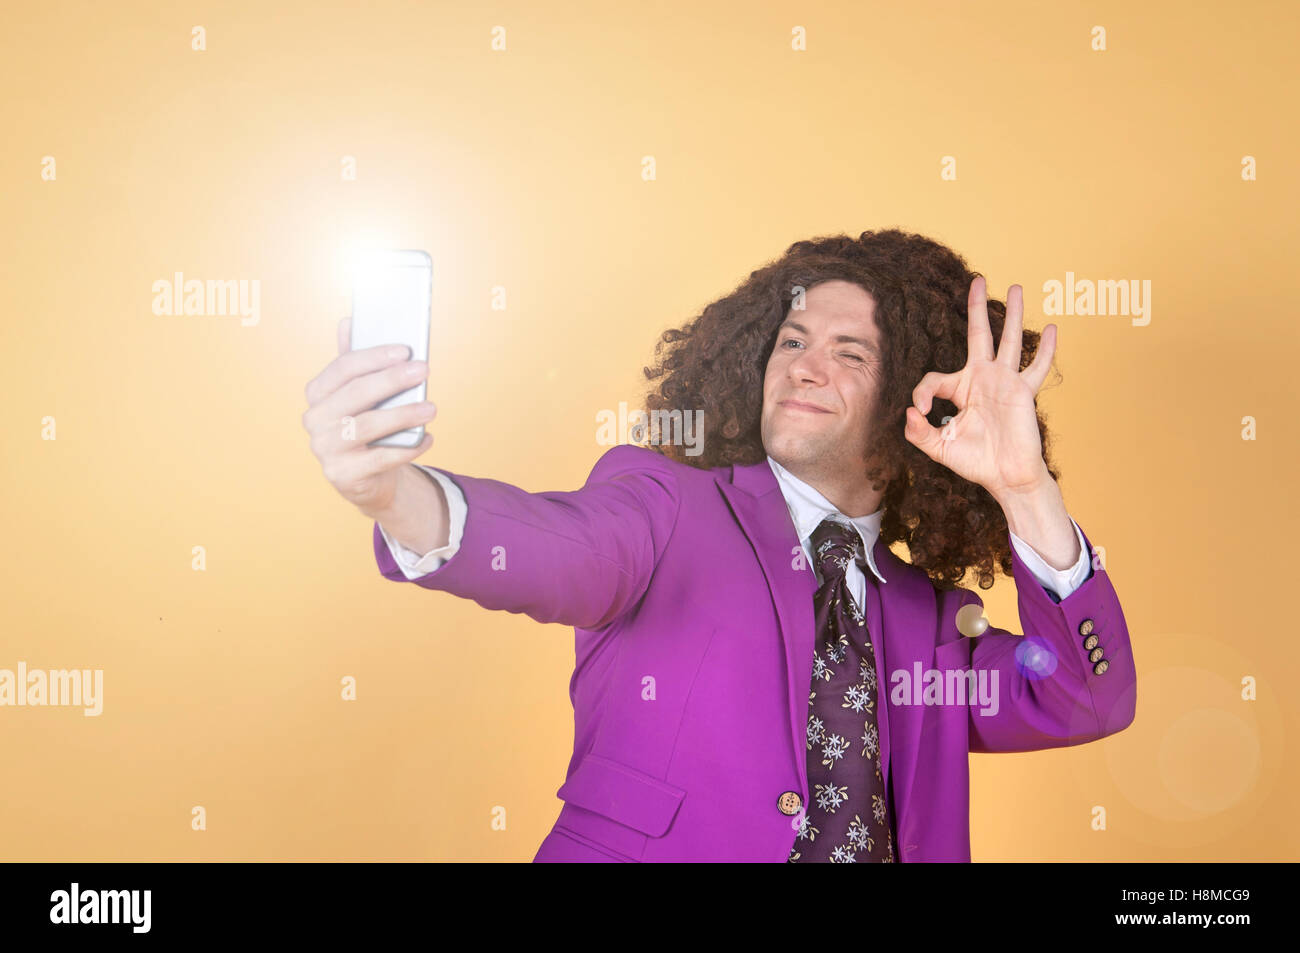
{"type": "Point", "coordinates": [622, 794]}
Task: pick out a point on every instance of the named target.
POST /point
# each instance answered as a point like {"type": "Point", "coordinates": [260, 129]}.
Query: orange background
{"type": "Point", "coordinates": [522, 169]}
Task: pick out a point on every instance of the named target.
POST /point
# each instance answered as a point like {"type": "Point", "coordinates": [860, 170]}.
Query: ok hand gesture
{"type": "Point", "coordinates": [993, 440]}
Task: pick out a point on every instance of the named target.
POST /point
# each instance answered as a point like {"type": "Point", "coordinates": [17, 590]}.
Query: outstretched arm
{"type": "Point", "coordinates": [580, 558]}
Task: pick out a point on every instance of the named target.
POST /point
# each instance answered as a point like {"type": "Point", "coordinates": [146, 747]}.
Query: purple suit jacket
{"type": "Point", "coordinates": [692, 609]}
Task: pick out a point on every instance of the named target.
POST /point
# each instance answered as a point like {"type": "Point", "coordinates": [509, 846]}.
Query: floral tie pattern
{"type": "Point", "coordinates": [848, 819]}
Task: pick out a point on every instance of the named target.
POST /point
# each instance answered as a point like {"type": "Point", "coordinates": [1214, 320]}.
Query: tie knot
{"type": "Point", "coordinates": [834, 546]}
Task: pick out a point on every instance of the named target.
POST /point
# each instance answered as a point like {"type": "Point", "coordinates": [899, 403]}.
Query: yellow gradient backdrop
{"type": "Point", "coordinates": [522, 169]}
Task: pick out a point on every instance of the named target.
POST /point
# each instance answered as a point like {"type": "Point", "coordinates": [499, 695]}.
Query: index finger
{"type": "Point", "coordinates": [353, 364]}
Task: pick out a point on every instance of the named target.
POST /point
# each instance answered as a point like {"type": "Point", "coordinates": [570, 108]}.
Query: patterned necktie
{"type": "Point", "coordinates": [848, 818]}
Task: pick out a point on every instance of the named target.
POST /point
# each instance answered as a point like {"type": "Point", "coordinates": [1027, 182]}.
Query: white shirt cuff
{"type": "Point", "coordinates": [1061, 581]}
{"type": "Point", "coordinates": [414, 565]}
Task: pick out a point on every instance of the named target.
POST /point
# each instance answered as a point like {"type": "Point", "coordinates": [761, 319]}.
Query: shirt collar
{"type": "Point", "coordinates": [808, 508]}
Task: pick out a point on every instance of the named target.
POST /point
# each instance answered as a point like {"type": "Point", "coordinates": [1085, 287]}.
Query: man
{"type": "Point", "coordinates": [758, 677]}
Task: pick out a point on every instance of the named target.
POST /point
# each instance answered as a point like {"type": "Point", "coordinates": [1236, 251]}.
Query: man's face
{"type": "Point", "coordinates": [828, 356]}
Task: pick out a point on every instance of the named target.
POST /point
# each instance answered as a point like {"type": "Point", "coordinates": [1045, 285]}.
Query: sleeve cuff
{"type": "Point", "coordinates": [412, 563]}
{"type": "Point", "coordinates": [1061, 581]}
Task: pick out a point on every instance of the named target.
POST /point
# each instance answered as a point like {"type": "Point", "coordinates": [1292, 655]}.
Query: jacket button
{"type": "Point", "coordinates": [1095, 656]}
{"type": "Point", "coordinates": [1090, 642]}
{"type": "Point", "coordinates": [1100, 667]}
{"type": "Point", "coordinates": [789, 803]}
{"type": "Point", "coordinates": [1086, 627]}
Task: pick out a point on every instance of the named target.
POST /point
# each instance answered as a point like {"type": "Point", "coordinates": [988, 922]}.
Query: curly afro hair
{"type": "Point", "coordinates": [716, 363]}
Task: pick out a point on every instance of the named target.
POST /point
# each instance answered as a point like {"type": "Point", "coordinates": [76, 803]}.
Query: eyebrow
{"type": "Point", "coordinates": [838, 339]}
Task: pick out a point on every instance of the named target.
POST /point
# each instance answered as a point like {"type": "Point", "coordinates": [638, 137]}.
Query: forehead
{"type": "Point", "coordinates": [839, 306]}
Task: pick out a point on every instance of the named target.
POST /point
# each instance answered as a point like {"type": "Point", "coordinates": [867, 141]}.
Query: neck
{"type": "Point", "coordinates": [851, 494]}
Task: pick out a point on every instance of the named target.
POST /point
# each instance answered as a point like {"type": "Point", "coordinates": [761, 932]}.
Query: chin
{"type": "Point", "coordinates": [790, 446]}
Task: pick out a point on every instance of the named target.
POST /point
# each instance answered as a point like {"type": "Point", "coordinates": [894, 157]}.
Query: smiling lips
{"type": "Point", "coordinates": [801, 405]}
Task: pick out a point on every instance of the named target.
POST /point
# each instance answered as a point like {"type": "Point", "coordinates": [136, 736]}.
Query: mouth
{"type": "Point", "coordinates": [800, 405]}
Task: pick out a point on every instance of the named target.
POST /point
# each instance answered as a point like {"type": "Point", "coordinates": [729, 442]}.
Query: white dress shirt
{"type": "Point", "coordinates": [807, 510]}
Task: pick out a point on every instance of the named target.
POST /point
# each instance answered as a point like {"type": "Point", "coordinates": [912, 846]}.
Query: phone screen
{"type": "Point", "coordinates": [391, 296]}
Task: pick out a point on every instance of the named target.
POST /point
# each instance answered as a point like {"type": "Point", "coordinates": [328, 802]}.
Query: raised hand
{"type": "Point", "coordinates": [993, 440]}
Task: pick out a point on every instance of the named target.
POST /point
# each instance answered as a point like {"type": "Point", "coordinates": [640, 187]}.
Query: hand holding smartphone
{"type": "Point", "coordinates": [392, 295]}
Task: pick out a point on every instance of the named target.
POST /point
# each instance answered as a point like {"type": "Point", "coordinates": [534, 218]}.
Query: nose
{"type": "Point", "coordinates": [806, 368]}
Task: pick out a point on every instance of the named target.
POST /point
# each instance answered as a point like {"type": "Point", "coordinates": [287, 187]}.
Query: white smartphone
{"type": "Point", "coordinates": [392, 292]}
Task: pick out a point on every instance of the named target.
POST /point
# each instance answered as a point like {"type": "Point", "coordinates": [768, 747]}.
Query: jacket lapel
{"type": "Point", "coordinates": [760, 509]}
{"type": "Point", "coordinates": [893, 613]}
